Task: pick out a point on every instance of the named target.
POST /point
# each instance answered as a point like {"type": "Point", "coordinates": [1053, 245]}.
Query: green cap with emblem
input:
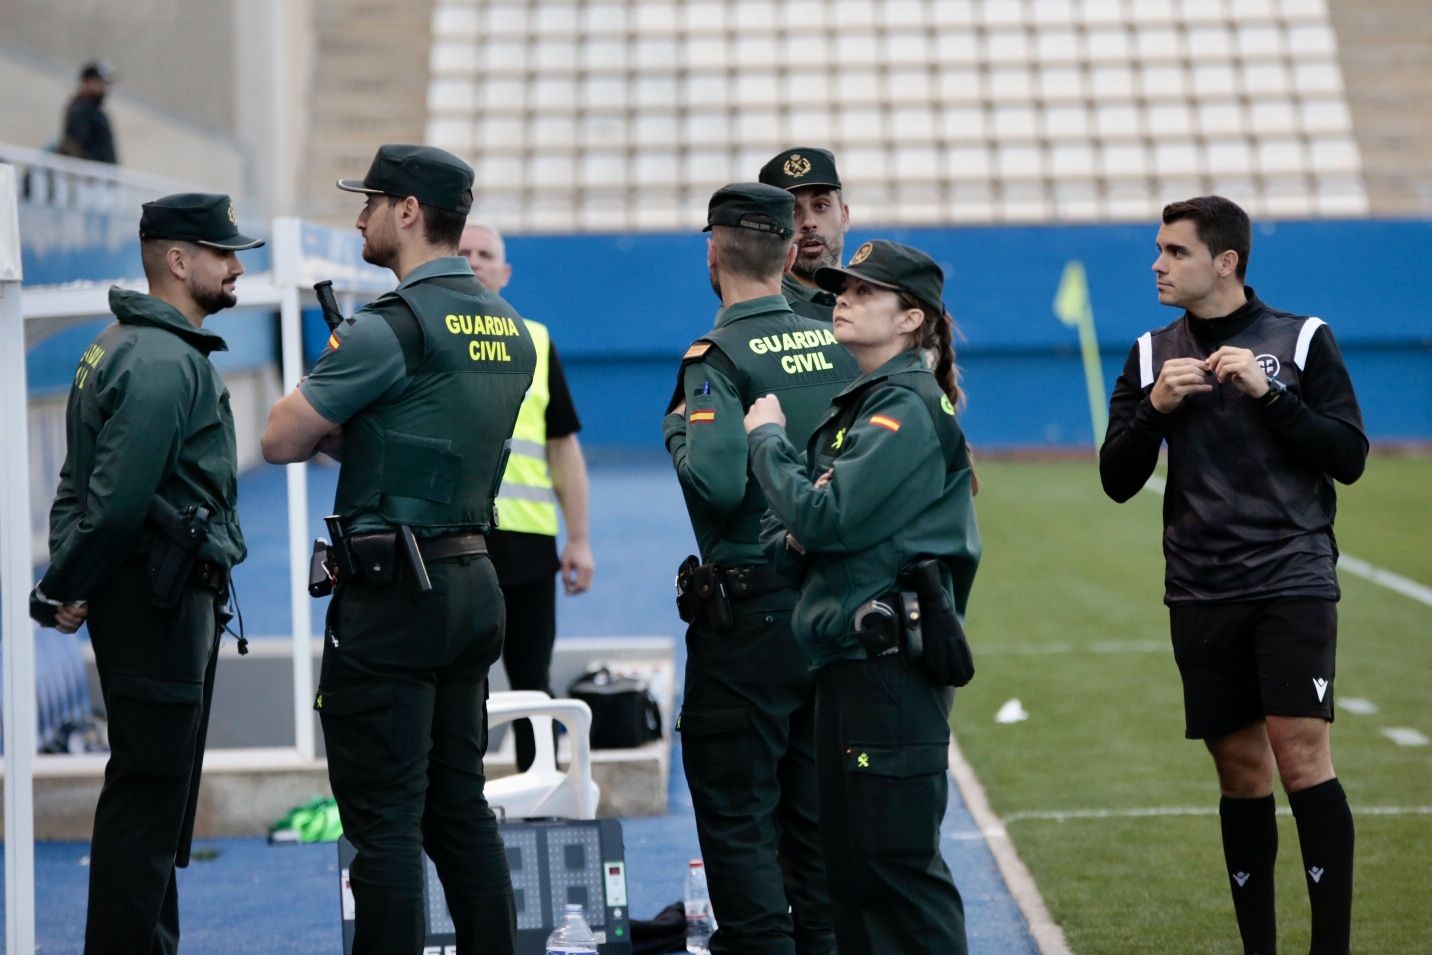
{"type": "Point", "coordinates": [891, 265]}
{"type": "Point", "coordinates": [199, 217]}
{"type": "Point", "coordinates": [751, 205]}
{"type": "Point", "coordinates": [435, 177]}
{"type": "Point", "coordinates": [801, 166]}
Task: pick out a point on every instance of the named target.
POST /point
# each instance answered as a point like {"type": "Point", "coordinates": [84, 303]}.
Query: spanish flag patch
{"type": "Point", "coordinates": [333, 342]}
{"type": "Point", "coordinates": [702, 416]}
{"type": "Point", "coordinates": [883, 421]}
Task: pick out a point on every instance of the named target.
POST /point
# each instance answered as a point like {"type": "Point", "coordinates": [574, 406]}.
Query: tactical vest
{"type": "Point", "coordinates": [797, 359]}
{"type": "Point", "coordinates": [433, 456]}
{"type": "Point", "coordinates": [527, 502]}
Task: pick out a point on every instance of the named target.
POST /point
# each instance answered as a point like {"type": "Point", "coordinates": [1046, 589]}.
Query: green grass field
{"type": "Point", "coordinates": [1067, 616]}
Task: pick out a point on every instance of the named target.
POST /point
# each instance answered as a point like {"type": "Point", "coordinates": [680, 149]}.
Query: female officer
{"type": "Point", "coordinates": [886, 480]}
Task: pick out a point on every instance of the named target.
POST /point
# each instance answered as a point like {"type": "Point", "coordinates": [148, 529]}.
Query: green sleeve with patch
{"type": "Point", "coordinates": [884, 478]}
{"type": "Point", "coordinates": [363, 362]}
{"type": "Point", "coordinates": [708, 443]}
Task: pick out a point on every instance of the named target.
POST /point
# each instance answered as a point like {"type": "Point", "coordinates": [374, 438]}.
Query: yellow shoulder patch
{"type": "Point", "coordinates": [696, 350]}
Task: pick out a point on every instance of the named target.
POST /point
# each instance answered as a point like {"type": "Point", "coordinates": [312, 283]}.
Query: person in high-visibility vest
{"type": "Point", "coordinates": [545, 472]}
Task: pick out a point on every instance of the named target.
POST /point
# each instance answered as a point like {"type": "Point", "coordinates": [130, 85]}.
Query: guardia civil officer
{"type": "Point", "coordinates": [143, 532]}
{"type": "Point", "coordinates": [425, 384]}
{"type": "Point", "coordinates": [880, 505]}
{"type": "Point", "coordinates": [1260, 419]}
{"type": "Point", "coordinates": [747, 716]}
{"type": "Point", "coordinates": [822, 219]}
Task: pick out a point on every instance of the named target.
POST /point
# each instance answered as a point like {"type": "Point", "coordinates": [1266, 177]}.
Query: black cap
{"type": "Point", "coordinates": [97, 70]}
{"type": "Point", "coordinates": [750, 205]}
{"type": "Point", "coordinates": [433, 176]}
{"type": "Point", "coordinates": [199, 217]}
{"type": "Point", "coordinates": [801, 166]}
{"type": "Point", "coordinates": [896, 266]}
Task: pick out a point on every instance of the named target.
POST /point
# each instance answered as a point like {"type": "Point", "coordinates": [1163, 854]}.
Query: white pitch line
{"type": "Point", "coordinates": [1358, 705]}
{"type": "Point", "coordinates": [1353, 565]}
{"type": "Point", "coordinates": [1047, 934]}
{"type": "Point", "coordinates": [1150, 812]}
{"type": "Point", "coordinates": [1052, 649]}
{"type": "Point", "coordinates": [1405, 736]}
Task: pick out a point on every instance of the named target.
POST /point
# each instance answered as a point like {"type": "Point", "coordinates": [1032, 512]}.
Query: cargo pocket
{"type": "Point", "coordinates": [415, 466]}
{"type": "Point", "coordinates": [715, 751]}
{"type": "Point", "coordinates": [897, 796]}
{"type": "Point", "coordinates": [359, 732]}
{"type": "Point", "coordinates": [153, 726]}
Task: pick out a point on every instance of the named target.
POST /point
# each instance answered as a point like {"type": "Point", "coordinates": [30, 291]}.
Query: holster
{"type": "Point", "coordinates": [320, 570]}
{"type": "Point", "coordinates": [170, 558]}
{"type": "Point", "coordinates": [945, 658]}
{"type": "Point", "coordinates": [687, 606]}
{"type": "Point", "coordinates": [701, 594]}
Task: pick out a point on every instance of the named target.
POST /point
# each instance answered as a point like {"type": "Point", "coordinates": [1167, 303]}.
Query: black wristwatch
{"type": "Point", "coordinates": [1276, 390]}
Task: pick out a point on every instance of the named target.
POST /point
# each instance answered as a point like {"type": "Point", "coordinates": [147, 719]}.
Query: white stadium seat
{"type": "Point", "coordinates": [970, 110]}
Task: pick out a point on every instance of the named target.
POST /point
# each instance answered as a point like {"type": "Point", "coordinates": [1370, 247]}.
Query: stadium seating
{"type": "Point", "coordinates": [605, 115]}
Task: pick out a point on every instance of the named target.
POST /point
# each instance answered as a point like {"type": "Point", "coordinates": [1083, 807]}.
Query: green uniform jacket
{"type": "Point", "coordinates": [892, 499]}
{"type": "Point", "coordinates": [147, 415]}
{"type": "Point", "coordinates": [808, 301]}
{"type": "Point", "coordinates": [758, 347]}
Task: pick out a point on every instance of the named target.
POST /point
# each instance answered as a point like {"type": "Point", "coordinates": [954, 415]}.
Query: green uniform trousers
{"type": "Point", "coordinates": [882, 739]}
{"type": "Point", "coordinates": [156, 673]}
{"type": "Point", "coordinates": [747, 734]}
{"type": "Point", "coordinates": [403, 701]}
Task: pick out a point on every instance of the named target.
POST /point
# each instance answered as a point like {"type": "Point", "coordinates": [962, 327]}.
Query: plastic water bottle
{"type": "Point", "coordinates": [700, 923]}
{"type": "Point", "coordinates": [572, 937]}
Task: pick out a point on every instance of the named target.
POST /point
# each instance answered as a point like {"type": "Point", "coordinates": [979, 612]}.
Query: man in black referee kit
{"type": "Point", "coordinates": [1260, 419]}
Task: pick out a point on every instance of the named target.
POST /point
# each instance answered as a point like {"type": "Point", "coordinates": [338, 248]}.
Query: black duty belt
{"type": "Point", "coordinates": [450, 546]}
{"type": "Point", "coordinates": [752, 581]}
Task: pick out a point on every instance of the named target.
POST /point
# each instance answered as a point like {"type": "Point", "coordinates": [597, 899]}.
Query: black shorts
{"type": "Point", "coordinates": [1243, 661]}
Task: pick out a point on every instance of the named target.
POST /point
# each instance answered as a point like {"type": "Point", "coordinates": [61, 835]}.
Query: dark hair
{"type": "Point", "coordinates": [443, 227]}
{"type": "Point", "coordinates": [1222, 225]}
{"type": "Point", "coordinates": [749, 254]}
{"type": "Point", "coordinates": [937, 334]}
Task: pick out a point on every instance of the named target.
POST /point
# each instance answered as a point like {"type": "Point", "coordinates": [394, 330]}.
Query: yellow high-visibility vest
{"type": "Point", "coordinates": [527, 502]}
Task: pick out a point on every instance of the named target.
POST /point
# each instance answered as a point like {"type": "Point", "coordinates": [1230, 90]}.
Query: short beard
{"type": "Point", "coordinates": [716, 283]}
{"type": "Point", "coordinates": [829, 259]}
{"type": "Point", "coordinates": [213, 300]}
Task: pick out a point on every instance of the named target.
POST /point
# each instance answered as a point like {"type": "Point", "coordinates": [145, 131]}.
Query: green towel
{"type": "Point", "coordinates": [315, 821]}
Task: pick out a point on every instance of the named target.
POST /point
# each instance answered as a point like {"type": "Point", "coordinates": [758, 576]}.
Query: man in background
{"type": "Point", "coordinates": [545, 471]}
{"type": "Point", "coordinates": [822, 218]}
{"type": "Point", "coordinates": [87, 133]}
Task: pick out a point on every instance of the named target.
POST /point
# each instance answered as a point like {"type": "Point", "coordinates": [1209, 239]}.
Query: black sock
{"type": "Point", "coordinates": [1325, 834]}
{"type": "Point", "coordinates": [1250, 846]}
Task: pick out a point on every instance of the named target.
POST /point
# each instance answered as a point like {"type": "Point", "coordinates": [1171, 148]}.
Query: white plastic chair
{"type": "Point", "coordinates": [545, 790]}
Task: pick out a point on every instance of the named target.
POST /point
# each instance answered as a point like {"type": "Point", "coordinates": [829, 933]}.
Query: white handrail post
{"type": "Point", "coordinates": [18, 633]}
{"type": "Point", "coordinates": [287, 273]}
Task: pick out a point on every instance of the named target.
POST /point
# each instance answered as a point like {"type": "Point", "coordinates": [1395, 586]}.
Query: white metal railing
{"type": "Point", "coordinates": [61, 182]}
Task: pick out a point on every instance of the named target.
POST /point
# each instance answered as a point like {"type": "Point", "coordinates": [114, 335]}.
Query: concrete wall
{"type": "Point", "coordinates": [1386, 47]}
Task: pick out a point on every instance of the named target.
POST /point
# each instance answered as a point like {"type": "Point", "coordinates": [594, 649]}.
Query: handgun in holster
{"type": "Point", "coordinates": [946, 658]}
{"type": "Point", "coordinates": [170, 560]}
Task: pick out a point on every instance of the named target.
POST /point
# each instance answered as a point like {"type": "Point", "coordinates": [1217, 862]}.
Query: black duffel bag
{"type": "Point", "coordinates": [624, 713]}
